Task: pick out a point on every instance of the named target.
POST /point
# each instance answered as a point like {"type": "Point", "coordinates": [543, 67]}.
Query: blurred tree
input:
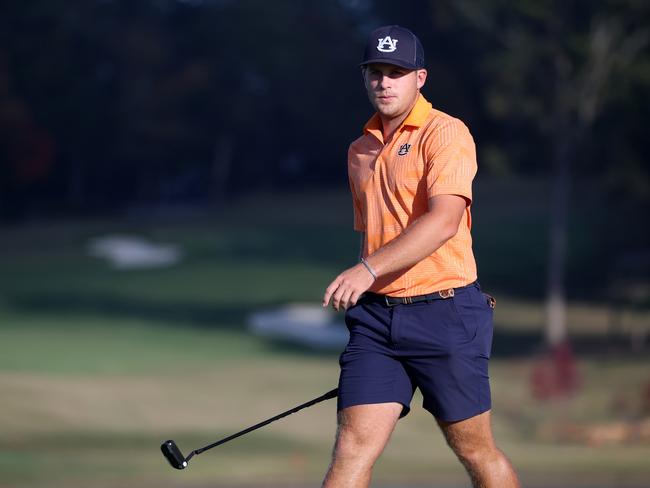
{"type": "Point", "coordinates": [177, 100]}
{"type": "Point", "coordinates": [109, 104]}
{"type": "Point", "coordinates": [548, 65]}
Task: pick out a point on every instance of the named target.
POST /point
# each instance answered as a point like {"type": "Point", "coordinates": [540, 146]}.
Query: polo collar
{"type": "Point", "coordinates": [416, 118]}
{"type": "Point", "coordinates": [419, 113]}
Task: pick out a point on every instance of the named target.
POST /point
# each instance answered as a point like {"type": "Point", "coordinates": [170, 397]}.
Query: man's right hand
{"type": "Point", "coordinates": [347, 287]}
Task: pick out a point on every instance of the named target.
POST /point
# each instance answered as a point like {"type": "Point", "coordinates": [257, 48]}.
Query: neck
{"type": "Point", "coordinates": [391, 124]}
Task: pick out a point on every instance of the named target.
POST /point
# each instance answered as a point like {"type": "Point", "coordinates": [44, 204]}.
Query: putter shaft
{"type": "Point", "coordinates": [330, 394]}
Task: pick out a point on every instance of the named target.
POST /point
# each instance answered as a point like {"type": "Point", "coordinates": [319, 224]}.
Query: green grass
{"type": "Point", "coordinates": [76, 429]}
{"type": "Point", "coordinates": [98, 366]}
{"type": "Point", "coordinates": [106, 346]}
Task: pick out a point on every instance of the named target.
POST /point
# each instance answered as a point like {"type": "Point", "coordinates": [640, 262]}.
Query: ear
{"type": "Point", "coordinates": [364, 71]}
{"type": "Point", "coordinates": [421, 77]}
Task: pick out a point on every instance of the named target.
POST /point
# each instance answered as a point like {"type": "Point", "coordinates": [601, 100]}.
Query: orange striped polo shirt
{"type": "Point", "coordinates": [430, 154]}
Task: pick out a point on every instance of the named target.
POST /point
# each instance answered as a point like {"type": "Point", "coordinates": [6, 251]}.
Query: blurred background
{"type": "Point", "coordinates": [173, 202]}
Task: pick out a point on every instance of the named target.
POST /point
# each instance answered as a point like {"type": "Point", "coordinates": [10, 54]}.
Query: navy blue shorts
{"type": "Point", "coordinates": [440, 346]}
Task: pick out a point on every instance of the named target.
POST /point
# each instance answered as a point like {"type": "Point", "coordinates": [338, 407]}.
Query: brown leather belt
{"type": "Point", "coordinates": [392, 301]}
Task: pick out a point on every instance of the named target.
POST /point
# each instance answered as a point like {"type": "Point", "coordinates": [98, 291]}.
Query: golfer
{"type": "Point", "coordinates": [417, 316]}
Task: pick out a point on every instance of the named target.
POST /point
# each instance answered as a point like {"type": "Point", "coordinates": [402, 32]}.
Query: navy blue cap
{"type": "Point", "coordinates": [396, 45]}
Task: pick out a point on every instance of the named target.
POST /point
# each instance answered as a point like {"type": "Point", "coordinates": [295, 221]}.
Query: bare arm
{"type": "Point", "coordinates": [422, 238]}
{"type": "Point", "coordinates": [419, 240]}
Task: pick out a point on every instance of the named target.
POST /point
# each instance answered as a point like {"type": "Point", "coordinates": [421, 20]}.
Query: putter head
{"type": "Point", "coordinates": [173, 454]}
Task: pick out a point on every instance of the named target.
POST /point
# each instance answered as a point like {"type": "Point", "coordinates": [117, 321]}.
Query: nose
{"type": "Point", "coordinates": [383, 81]}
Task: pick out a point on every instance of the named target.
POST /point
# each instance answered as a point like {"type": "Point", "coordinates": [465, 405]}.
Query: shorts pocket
{"type": "Point", "coordinates": [465, 309]}
{"type": "Point", "coordinates": [484, 313]}
{"type": "Point", "coordinates": [349, 316]}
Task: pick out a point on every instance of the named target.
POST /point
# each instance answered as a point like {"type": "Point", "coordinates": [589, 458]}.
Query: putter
{"type": "Point", "coordinates": [175, 457]}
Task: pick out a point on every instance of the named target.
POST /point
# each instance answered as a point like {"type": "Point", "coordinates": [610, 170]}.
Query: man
{"type": "Point", "coordinates": [416, 315]}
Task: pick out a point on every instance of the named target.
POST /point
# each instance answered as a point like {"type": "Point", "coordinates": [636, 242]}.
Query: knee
{"type": "Point", "coordinates": [478, 455]}
{"type": "Point", "coordinates": [364, 430]}
{"type": "Point", "coordinates": [471, 454]}
{"type": "Point", "coordinates": [352, 443]}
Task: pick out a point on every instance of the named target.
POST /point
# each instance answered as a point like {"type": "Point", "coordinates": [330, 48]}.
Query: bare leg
{"type": "Point", "coordinates": [362, 434]}
{"type": "Point", "coordinates": [473, 443]}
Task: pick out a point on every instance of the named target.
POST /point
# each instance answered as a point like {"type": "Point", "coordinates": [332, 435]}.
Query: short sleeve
{"type": "Point", "coordinates": [358, 217]}
{"type": "Point", "coordinates": [451, 160]}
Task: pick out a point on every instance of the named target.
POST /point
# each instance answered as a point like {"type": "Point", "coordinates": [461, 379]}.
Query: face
{"type": "Point", "coordinates": [393, 90]}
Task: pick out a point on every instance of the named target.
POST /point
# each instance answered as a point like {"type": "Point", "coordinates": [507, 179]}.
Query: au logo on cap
{"type": "Point", "coordinates": [387, 41]}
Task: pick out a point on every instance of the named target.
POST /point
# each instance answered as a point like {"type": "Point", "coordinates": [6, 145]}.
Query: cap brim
{"type": "Point", "coordinates": [401, 64]}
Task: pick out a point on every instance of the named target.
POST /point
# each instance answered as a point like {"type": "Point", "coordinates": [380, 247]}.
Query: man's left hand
{"type": "Point", "coordinates": [347, 287]}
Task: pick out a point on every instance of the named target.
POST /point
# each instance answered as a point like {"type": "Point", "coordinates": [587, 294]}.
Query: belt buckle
{"type": "Point", "coordinates": [388, 304]}
{"type": "Point", "coordinates": [444, 294]}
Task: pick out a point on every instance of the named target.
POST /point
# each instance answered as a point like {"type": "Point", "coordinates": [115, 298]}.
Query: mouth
{"type": "Point", "coordinates": [385, 98]}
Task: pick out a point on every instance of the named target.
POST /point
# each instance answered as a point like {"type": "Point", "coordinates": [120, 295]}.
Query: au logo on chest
{"type": "Point", "coordinates": [404, 149]}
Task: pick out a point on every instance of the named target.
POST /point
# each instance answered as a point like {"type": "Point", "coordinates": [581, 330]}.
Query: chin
{"type": "Point", "coordinates": [388, 111]}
